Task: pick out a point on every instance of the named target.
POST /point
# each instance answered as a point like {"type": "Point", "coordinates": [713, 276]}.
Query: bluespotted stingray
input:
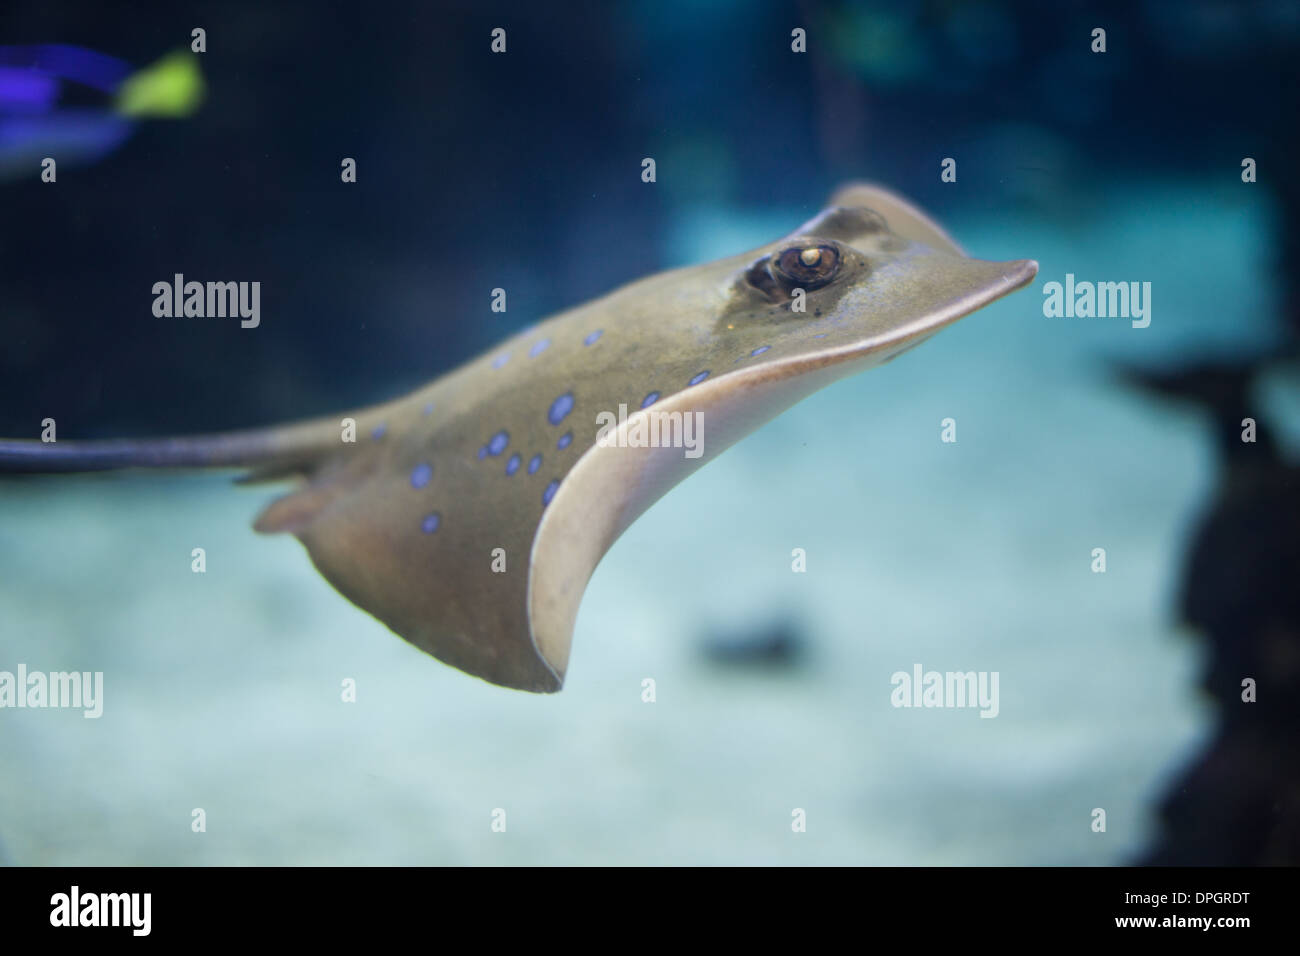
{"type": "Point", "coordinates": [503, 457]}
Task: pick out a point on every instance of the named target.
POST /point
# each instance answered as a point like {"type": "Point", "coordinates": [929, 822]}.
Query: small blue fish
{"type": "Point", "coordinates": [38, 121]}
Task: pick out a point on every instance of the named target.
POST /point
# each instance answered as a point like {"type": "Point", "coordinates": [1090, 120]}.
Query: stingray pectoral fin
{"type": "Point", "coordinates": [432, 547]}
{"type": "Point", "coordinates": [449, 604]}
{"type": "Point", "coordinates": [904, 219]}
{"type": "Point", "coordinates": [612, 485]}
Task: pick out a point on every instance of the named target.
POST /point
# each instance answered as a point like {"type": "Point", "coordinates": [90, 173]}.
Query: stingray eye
{"type": "Point", "coordinates": [808, 266]}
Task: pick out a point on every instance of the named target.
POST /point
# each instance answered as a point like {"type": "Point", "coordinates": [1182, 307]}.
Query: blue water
{"type": "Point", "coordinates": [223, 689]}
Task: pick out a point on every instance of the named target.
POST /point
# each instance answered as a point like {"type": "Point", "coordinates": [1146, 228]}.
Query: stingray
{"type": "Point", "coordinates": [469, 515]}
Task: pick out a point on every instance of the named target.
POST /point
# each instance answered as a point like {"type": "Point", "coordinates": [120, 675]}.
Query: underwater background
{"type": "Point", "coordinates": [1119, 690]}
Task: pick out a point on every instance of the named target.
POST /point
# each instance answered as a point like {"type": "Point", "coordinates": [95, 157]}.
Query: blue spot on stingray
{"type": "Point", "coordinates": [421, 474]}
{"type": "Point", "coordinates": [699, 378]}
{"type": "Point", "coordinates": [538, 348]}
{"type": "Point", "coordinates": [534, 463]}
{"type": "Point", "coordinates": [428, 409]}
{"type": "Point", "coordinates": [760, 350]}
{"type": "Point", "coordinates": [497, 443]}
{"type": "Point", "coordinates": [565, 440]}
{"type": "Point", "coordinates": [820, 335]}
{"type": "Point", "coordinates": [560, 408]}
{"type": "Point", "coordinates": [549, 493]}
{"type": "Point", "coordinates": [501, 360]}
{"type": "Point", "coordinates": [649, 399]}
{"type": "Point", "coordinates": [591, 339]}
{"type": "Point", "coordinates": [430, 523]}
{"type": "Point", "coordinates": [482, 453]}
{"type": "Point", "coordinates": [513, 464]}
{"type": "Point", "coordinates": [379, 431]}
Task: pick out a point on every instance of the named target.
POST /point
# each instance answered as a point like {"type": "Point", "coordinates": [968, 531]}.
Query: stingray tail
{"type": "Point", "coordinates": [269, 451]}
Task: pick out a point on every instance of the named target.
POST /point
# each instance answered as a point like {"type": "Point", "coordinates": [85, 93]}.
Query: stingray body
{"type": "Point", "coordinates": [469, 515]}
